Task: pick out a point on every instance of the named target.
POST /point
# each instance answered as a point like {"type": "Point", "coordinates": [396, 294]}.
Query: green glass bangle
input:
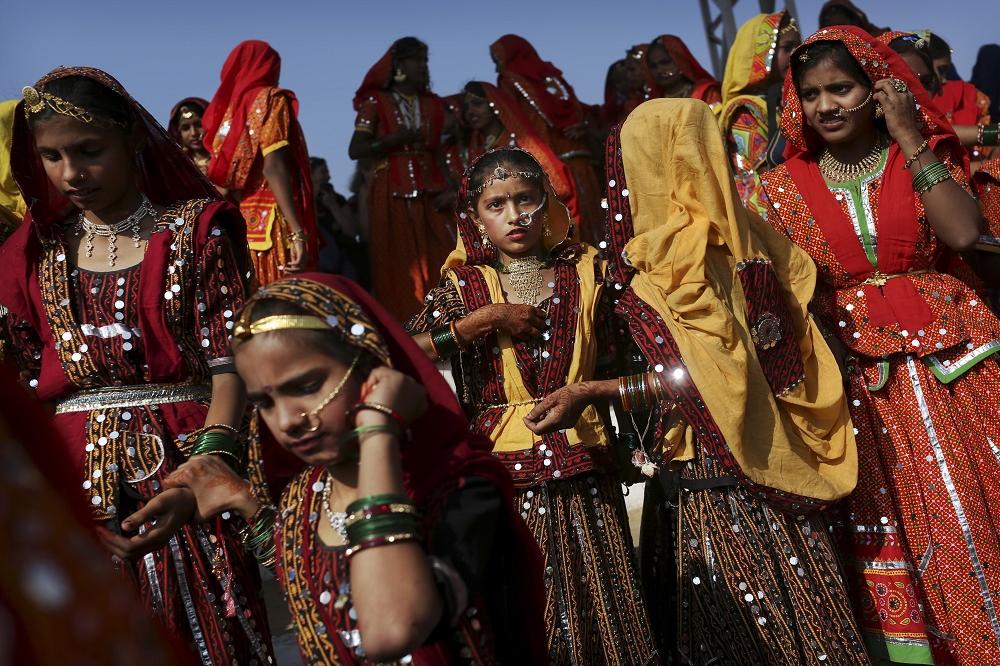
{"type": "Point", "coordinates": [388, 428]}
{"type": "Point", "coordinates": [991, 135]}
{"type": "Point", "coordinates": [371, 500]}
{"type": "Point", "coordinates": [930, 175]}
{"type": "Point", "coordinates": [444, 341]}
{"type": "Point", "coordinates": [211, 442]}
{"type": "Point", "coordinates": [387, 522]}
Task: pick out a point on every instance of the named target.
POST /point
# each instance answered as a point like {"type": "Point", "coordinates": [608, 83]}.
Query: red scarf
{"type": "Point", "coordinates": [517, 123]}
{"type": "Point", "coordinates": [957, 100]}
{"type": "Point", "coordinates": [898, 301]}
{"type": "Point", "coordinates": [519, 63]}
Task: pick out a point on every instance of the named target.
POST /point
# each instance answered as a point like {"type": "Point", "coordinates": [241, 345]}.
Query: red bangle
{"type": "Point", "coordinates": [375, 542]}
{"type": "Point", "coordinates": [352, 413]}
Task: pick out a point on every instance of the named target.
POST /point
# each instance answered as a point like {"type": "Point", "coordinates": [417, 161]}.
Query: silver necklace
{"type": "Point", "coordinates": [338, 519]}
{"type": "Point", "coordinates": [112, 231]}
{"type": "Point", "coordinates": [409, 110]}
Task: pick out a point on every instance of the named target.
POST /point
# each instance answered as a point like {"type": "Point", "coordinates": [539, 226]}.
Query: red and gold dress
{"type": "Point", "coordinates": [409, 237]}
{"type": "Point", "coordinates": [921, 537]}
{"type": "Point", "coordinates": [126, 357]}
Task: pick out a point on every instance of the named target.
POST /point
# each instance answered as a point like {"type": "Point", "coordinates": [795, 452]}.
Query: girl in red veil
{"type": "Point", "coordinates": [677, 74]}
{"type": "Point", "coordinates": [876, 191]}
{"type": "Point", "coordinates": [121, 287]}
{"type": "Point", "coordinates": [396, 540]}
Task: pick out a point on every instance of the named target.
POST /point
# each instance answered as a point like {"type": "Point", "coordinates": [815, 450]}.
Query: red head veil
{"type": "Point", "coordinates": [377, 78]}
{"type": "Point", "coordinates": [516, 122]}
{"type": "Point", "coordinates": [898, 301]}
{"type": "Point", "coordinates": [252, 65]}
{"type": "Point", "coordinates": [441, 449]}
{"type": "Point", "coordinates": [519, 62]}
{"type": "Point", "coordinates": [164, 173]}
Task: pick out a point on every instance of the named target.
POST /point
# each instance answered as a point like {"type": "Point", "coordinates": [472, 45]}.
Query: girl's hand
{"type": "Point", "coordinates": [297, 253]}
{"type": "Point", "coordinates": [169, 511]}
{"type": "Point", "coordinates": [522, 322]}
{"type": "Point", "coordinates": [216, 487]}
{"type": "Point", "coordinates": [900, 113]}
{"type": "Point", "coordinates": [559, 410]}
{"type": "Point", "coordinates": [397, 391]}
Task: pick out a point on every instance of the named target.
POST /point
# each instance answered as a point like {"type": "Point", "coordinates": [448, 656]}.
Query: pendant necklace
{"type": "Point", "coordinates": [112, 231]}
{"type": "Point", "coordinates": [338, 519]}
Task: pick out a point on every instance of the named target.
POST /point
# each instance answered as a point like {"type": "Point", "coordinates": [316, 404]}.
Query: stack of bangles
{"type": "Point", "coordinates": [396, 427]}
{"type": "Point", "coordinates": [220, 439]}
{"type": "Point", "coordinates": [640, 393]}
{"type": "Point", "coordinates": [989, 135]}
{"type": "Point", "coordinates": [258, 535]}
{"type": "Point", "coordinates": [380, 520]}
{"type": "Point", "coordinates": [929, 176]}
{"type": "Point", "coordinates": [444, 341]}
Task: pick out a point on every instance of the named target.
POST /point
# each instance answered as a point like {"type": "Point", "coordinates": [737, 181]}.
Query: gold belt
{"type": "Point", "coordinates": [878, 278]}
{"type": "Point", "coordinates": [140, 395]}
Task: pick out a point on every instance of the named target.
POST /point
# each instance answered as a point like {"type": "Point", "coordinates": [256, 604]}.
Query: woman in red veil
{"type": "Point", "coordinates": [259, 157]}
{"type": "Point", "coordinates": [677, 74]}
{"type": "Point", "coordinates": [399, 128]}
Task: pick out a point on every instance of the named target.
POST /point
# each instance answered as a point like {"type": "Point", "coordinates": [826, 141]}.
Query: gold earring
{"type": "Point", "coordinates": [547, 231]}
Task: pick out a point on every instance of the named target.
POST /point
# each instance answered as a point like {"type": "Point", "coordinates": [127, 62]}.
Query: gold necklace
{"type": "Point", "coordinates": [840, 172]}
{"type": "Point", "coordinates": [525, 277]}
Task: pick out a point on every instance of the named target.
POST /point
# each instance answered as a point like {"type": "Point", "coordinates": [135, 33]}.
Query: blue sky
{"type": "Point", "coordinates": [165, 51]}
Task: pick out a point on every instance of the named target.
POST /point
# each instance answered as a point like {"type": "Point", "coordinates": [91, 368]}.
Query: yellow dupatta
{"type": "Point", "coordinates": [12, 206]}
{"type": "Point", "coordinates": [691, 231]}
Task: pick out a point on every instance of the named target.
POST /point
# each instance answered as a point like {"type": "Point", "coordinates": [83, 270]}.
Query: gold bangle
{"type": "Point", "coordinates": [917, 153]}
{"type": "Point", "coordinates": [298, 235]}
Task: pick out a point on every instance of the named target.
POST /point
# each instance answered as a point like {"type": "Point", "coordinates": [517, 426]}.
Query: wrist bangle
{"type": "Point", "coordinates": [929, 176]}
{"type": "Point", "coordinates": [917, 153]}
{"type": "Point", "coordinates": [388, 428]}
{"type": "Point", "coordinates": [989, 135]}
{"type": "Point", "coordinates": [375, 542]}
{"type": "Point", "coordinates": [382, 409]}
{"type": "Point", "coordinates": [444, 341]}
{"type": "Point", "coordinates": [298, 236]}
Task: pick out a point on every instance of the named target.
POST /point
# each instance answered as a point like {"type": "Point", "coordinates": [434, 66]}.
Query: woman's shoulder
{"type": "Point", "coordinates": [296, 490]}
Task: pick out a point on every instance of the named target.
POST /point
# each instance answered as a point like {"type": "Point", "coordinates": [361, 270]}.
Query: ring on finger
{"type": "Point", "coordinates": [899, 85]}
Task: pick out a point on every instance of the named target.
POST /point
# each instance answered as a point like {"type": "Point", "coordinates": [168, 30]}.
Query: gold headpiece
{"type": "Point", "coordinates": [804, 56]}
{"type": "Point", "coordinates": [503, 173]}
{"type": "Point", "coordinates": [187, 112]}
{"type": "Point", "coordinates": [35, 101]}
{"type": "Point", "coordinates": [793, 26]}
{"type": "Point", "coordinates": [244, 330]}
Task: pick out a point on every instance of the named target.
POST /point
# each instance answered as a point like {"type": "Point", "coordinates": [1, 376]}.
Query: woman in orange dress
{"type": "Point", "coordinates": [259, 156]}
{"type": "Point", "coordinates": [399, 126]}
{"type": "Point", "coordinates": [559, 118]}
{"type": "Point", "coordinates": [875, 190]}
{"type": "Point", "coordinates": [677, 74]}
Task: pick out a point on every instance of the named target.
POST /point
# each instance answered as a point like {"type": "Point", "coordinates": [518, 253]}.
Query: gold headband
{"type": "Point", "coordinates": [244, 330]}
{"type": "Point", "coordinates": [793, 26]}
{"type": "Point", "coordinates": [35, 101]}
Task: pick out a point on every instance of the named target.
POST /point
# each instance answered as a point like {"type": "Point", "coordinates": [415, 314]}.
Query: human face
{"type": "Point", "coordinates": [320, 175]}
{"type": "Point", "coordinates": [416, 71]}
{"type": "Point", "coordinates": [286, 381]}
{"type": "Point", "coordinates": [191, 131]}
{"type": "Point", "coordinates": [478, 112]}
{"type": "Point", "coordinates": [826, 91]}
{"type": "Point", "coordinates": [928, 79]}
{"type": "Point", "coordinates": [663, 67]}
{"type": "Point", "coordinates": [626, 76]}
{"type": "Point", "coordinates": [498, 210]}
{"type": "Point", "coordinates": [942, 66]}
{"type": "Point", "coordinates": [787, 42]}
{"type": "Point", "coordinates": [93, 166]}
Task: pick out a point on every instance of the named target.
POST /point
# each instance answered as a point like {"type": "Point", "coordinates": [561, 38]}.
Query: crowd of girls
{"type": "Point", "coordinates": [765, 299]}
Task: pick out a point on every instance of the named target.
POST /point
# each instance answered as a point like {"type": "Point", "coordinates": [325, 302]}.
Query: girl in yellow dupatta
{"type": "Point", "coordinates": [751, 87]}
{"type": "Point", "coordinates": [517, 312]}
{"type": "Point", "coordinates": [752, 434]}
{"type": "Point", "coordinates": [12, 206]}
